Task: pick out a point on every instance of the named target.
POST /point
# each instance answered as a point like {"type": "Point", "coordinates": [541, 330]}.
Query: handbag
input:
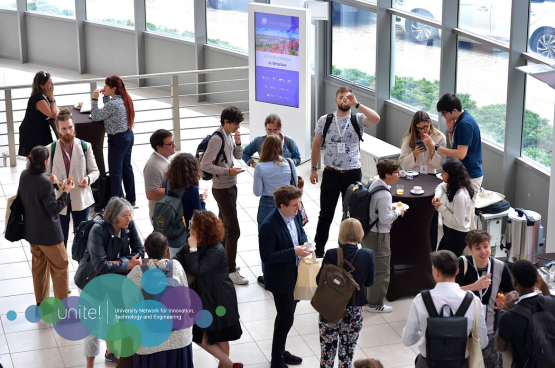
{"type": "Point", "coordinates": [301, 214]}
{"type": "Point", "coordinates": [475, 358]}
{"type": "Point", "coordinates": [15, 217]}
{"type": "Point", "coordinates": [306, 280]}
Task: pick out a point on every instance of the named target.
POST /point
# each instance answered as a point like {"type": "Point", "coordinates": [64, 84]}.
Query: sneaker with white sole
{"type": "Point", "coordinates": [237, 279]}
{"type": "Point", "coordinates": [382, 309]}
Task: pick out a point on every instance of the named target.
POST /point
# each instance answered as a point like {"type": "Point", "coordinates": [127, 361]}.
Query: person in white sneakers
{"type": "Point", "coordinates": [377, 239]}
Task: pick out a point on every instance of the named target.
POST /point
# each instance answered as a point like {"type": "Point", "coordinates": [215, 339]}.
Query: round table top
{"type": "Point", "coordinates": [78, 116]}
{"type": "Point", "coordinates": [426, 181]}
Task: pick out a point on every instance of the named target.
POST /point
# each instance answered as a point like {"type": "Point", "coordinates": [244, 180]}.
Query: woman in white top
{"type": "Point", "coordinates": [413, 155]}
{"type": "Point", "coordinates": [455, 209]}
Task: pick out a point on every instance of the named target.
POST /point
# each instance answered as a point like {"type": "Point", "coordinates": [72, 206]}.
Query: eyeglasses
{"type": "Point", "coordinates": [172, 143]}
{"type": "Point", "coordinates": [443, 113]}
{"type": "Point", "coordinates": [423, 128]}
{"type": "Point", "coordinates": [126, 217]}
{"type": "Point", "coordinates": [395, 172]}
{"type": "Point", "coordinates": [294, 205]}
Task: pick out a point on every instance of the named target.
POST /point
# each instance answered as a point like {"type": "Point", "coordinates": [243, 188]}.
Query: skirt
{"type": "Point", "coordinates": [230, 333]}
{"type": "Point", "coordinates": [176, 358]}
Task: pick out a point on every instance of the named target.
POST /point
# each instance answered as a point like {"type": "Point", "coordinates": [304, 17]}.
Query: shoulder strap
{"type": "Point", "coordinates": [355, 125]}
{"type": "Point", "coordinates": [522, 311]}
{"type": "Point", "coordinates": [286, 144]}
{"type": "Point", "coordinates": [169, 265]}
{"type": "Point", "coordinates": [329, 119]}
{"type": "Point", "coordinates": [465, 261]}
{"type": "Point", "coordinates": [84, 145]}
{"type": "Point", "coordinates": [352, 261]}
{"type": "Point", "coordinates": [340, 257]}
{"type": "Point", "coordinates": [429, 303]}
{"type": "Point", "coordinates": [376, 189]}
{"type": "Point", "coordinates": [468, 298]}
{"type": "Point", "coordinates": [292, 176]}
{"type": "Point", "coordinates": [52, 149]}
{"type": "Point", "coordinates": [144, 268]}
{"type": "Point", "coordinates": [221, 152]}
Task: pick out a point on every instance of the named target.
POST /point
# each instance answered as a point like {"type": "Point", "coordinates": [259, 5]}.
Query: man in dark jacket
{"type": "Point", "coordinates": [280, 241]}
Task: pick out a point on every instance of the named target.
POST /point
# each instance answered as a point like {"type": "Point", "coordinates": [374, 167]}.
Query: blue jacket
{"type": "Point", "coordinates": [279, 261]}
{"type": "Point", "coordinates": [256, 146]}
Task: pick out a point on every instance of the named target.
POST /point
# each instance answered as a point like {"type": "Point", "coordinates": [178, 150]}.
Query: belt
{"type": "Point", "coordinates": [339, 171]}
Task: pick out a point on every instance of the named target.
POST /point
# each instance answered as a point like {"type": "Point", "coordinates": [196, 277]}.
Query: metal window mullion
{"type": "Point", "coordinates": [385, 33]}
{"type": "Point", "coordinates": [482, 39]}
{"type": "Point", "coordinates": [535, 58]}
{"type": "Point", "coordinates": [201, 39]}
{"type": "Point", "coordinates": [22, 32]}
{"type": "Point", "coordinates": [80, 18]}
{"type": "Point", "coordinates": [415, 17]}
{"type": "Point", "coordinates": [140, 29]}
{"type": "Point", "coordinates": [358, 4]}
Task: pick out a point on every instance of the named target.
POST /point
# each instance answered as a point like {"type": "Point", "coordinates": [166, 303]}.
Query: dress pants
{"type": "Point", "coordinates": [381, 245]}
{"type": "Point", "coordinates": [50, 261]}
{"type": "Point", "coordinates": [453, 240]}
{"type": "Point", "coordinates": [119, 164]}
{"type": "Point", "coordinates": [78, 217]}
{"type": "Point", "coordinates": [285, 306]}
{"type": "Point", "coordinates": [333, 184]}
{"type": "Point", "coordinates": [227, 204]}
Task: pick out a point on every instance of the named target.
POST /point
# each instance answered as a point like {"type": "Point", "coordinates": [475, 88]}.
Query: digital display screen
{"type": "Point", "coordinates": [277, 59]}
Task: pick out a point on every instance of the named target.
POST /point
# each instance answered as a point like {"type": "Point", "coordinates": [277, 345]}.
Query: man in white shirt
{"type": "Point", "coordinates": [446, 292]}
{"type": "Point", "coordinates": [163, 144]}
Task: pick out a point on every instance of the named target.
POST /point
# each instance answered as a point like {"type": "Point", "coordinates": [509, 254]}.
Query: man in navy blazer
{"type": "Point", "coordinates": [280, 240]}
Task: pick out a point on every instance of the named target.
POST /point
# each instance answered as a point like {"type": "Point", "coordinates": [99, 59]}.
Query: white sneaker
{"type": "Point", "coordinates": [237, 279]}
{"type": "Point", "coordinates": [383, 309]}
{"type": "Point", "coordinates": [237, 268]}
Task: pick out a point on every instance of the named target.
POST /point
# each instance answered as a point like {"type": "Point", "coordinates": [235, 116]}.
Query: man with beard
{"type": "Point", "coordinates": [72, 159]}
{"type": "Point", "coordinates": [341, 132]}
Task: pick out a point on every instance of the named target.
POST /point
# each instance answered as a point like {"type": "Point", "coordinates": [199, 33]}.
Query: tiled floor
{"type": "Point", "coordinates": [23, 344]}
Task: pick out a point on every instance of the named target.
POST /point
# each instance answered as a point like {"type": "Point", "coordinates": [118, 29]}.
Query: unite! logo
{"type": "Point", "coordinates": [160, 221]}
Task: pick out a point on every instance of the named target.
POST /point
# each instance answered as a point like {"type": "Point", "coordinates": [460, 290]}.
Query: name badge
{"type": "Point", "coordinates": [340, 147]}
{"type": "Point", "coordinates": [423, 169]}
{"type": "Point", "coordinates": [485, 308]}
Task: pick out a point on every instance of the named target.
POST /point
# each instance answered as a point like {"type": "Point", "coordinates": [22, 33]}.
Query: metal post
{"type": "Point", "coordinates": [9, 121]}
{"type": "Point", "coordinates": [175, 113]}
{"type": "Point", "coordinates": [22, 31]}
{"type": "Point", "coordinates": [201, 39]}
{"type": "Point", "coordinates": [140, 28]}
{"type": "Point", "coordinates": [92, 87]}
{"type": "Point", "coordinates": [384, 33]}
{"type": "Point", "coordinates": [80, 17]}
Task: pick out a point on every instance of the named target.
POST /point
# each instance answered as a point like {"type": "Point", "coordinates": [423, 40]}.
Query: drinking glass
{"type": "Point", "coordinates": [400, 189]}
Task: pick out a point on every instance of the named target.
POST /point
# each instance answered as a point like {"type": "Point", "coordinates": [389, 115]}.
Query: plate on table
{"type": "Point", "coordinates": [400, 205]}
{"type": "Point", "coordinates": [412, 173]}
{"type": "Point", "coordinates": [415, 193]}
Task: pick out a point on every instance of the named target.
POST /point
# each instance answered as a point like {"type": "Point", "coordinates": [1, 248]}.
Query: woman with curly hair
{"type": "Point", "coordinates": [205, 258]}
{"type": "Point", "coordinates": [182, 179]}
{"type": "Point", "coordinates": [455, 211]}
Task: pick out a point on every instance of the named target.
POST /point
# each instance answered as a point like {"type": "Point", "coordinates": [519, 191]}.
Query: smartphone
{"type": "Point", "coordinates": [421, 144]}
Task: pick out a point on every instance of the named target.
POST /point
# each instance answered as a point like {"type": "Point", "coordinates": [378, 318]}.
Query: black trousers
{"type": "Point", "coordinates": [453, 240]}
{"type": "Point", "coordinates": [285, 306]}
{"type": "Point", "coordinates": [333, 184]}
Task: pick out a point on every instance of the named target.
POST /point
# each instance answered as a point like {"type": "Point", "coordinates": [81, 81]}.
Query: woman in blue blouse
{"type": "Point", "coordinates": [118, 115]}
{"type": "Point", "coordinates": [184, 173]}
{"type": "Point", "coordinates": [273, 127]}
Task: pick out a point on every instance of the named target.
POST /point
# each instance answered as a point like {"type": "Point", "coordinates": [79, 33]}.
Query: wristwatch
{"type": "Point", "coordinates": [314, 169]}
{"type": "Point", "coordinates": [437, 146]}
{"type": "Point", "coordinates": [357, 105]}
{"type": "Point", "coordinates": [192, 250]}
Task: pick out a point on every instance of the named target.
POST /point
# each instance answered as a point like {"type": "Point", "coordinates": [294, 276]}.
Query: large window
{"type": "Point", "coordinates": [541, 36]}
{"type": "Point", "coordinates": [8, 4]}
{"type": "Point", "coordinates": [227, 23]}
{"type": "Point", "coordinates": [64, 8]}
{"type": "Point", "coordinates": [415, 63]}
{"type": "Point", "coordinates": [174, 18]}
{"type": "Point", "coordinates": [537, 132]}
{"type": "Point", "coordinates": [118, 12]}
{"type": "Point", "coordinates": [482, 86]}
{"type": "Point", "coordinates": [490, 18]}
{"type": "Point", "coordinates": [352, 58]}
{"type": "Point", "coordinates": [427, 8]}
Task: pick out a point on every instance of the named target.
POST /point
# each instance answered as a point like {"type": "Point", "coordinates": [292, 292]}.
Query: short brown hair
{"type": "Point", "coordinates": [387, 167]}
{"type": "Point", "coordinates": [184, 170]}
{"type": "Point", "coordinates": [273, 119]}
{"type": "Point", "coordinates": [350, 231]}
{"type": "Point", "coordinates": [368, 363]}
{"type": "Point", "coordinates": [271, 150]}
{"type": "Point", "coordinates": [208, 228]}
{"type": "Point", "coordinates": [157, 138]}
{"type": "Point", "coordinates": [285, 194]}
{"type": "Point", "coordinates": [446, 262]}
{"type": "Point", "coordinates": [342, 89]}
{"type": "Point", "coordinates": [476, 237]}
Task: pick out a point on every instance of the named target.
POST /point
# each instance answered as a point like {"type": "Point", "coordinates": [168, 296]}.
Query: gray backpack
{"type": "Point", "coordinates": [168, 219]}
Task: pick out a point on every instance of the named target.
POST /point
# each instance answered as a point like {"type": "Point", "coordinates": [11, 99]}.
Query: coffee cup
{"type": "Point", "coordinates": [417, 189]}
{"type": "Point", "coordinates": [310, 247]}
{"type": "Point", "coordinates": [403, 173]}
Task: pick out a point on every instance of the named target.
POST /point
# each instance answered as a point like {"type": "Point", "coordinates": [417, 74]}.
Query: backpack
{"type": "Point", "coordinates": [201, 149]}
{"type": "Point", "coordinates": [497, 207]}
{"type": "Point", "coordinates": [84, 145]}
{"type": "Point", "coordinates": [446, 337]}
{"type": "Point", "coordinates": [104, 192]}
{"type": "Point", "coordinates": [336, 288]}
{"type": "Point", "coordinates": [329, 120]}
{"type": "Point", "coordinates": [168, 217]}
{"type": "Point", "coordinates": [540, 345]}
{"type": "Point", "coordinates": [82, 237]}
{"type": "Point", "coordinates": [15, 223]}
{"type": "Point", "coordinates": [356, 204]}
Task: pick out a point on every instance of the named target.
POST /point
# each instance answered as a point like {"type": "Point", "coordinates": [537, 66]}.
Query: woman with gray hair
{"type": "Point", "coordinates": [114, 246]}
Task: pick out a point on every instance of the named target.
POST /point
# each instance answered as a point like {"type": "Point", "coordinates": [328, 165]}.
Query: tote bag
{"type": "Point", "coordinates": [306, 280]}
{"type": "Point", "coordinates": [475, 357]}
{"type": "Point", "coordinates": [15, 228]}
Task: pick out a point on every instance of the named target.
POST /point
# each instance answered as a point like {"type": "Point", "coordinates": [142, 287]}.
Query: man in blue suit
{"type": "Point", "coordinates": [281, 238]}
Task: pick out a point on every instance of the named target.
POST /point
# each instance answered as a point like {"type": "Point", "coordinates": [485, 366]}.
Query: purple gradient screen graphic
{"type": "Point", "coordinates": [277, 59]}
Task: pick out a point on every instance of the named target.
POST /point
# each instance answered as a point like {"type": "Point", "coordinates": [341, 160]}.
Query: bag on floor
{"type": "Point", "coordinates": [15, 219]}
{"type": "Point", "coordinates": [104, 191]}
{"type": "Point", "coordinates": [81, 237]}
{"type": "Point", "coordinates": [168, 217]}
{"type": "Point", "coordinates": [201, 149]}
{"type": "Point", "coordinates": [357, 204]}
{"type": "Point", "coordinates": [336, 288]}
{"type": "Point", "coordinates": [306, 280]}
{"type": "Point", "coordinates": [446, 337]}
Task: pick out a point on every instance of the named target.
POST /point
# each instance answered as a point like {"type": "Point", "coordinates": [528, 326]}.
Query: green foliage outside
{"type": "Point", "coordinates": [226, 44]}
{"type": "Point", "coordinates": [9, 6]}
{"type": "Point", "coordinates": [537, 135]}
{"type": "Point", "coordinates": [119, 22]}
{"type": "Point", "coordinates": [170, 31]}
{"type": "Point", "coordinates": [44, 6]}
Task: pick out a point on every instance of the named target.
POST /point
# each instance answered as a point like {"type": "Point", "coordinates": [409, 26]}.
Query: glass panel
{"type": "Point", "coordinates": [490, 18]}
{"type": "Point", "coordinates": [8, 4]}
{"type": "Point", "coordinates": [227, 23]}
{"type": "Point", "coordinates": [352, 59]}
{"type": "Point", "coordinates": [64, 8]}
{"type": "Point", "coordinates": [427, 8]}
{"type": "Point", "coordinates": [120, 12]}
{"type": "Point", "coordinates": [482, 87]}
{"type": "Point", "coordinates": [542, 28]}
{"type": "Point", "coordinates": [415, 65]}
{"type": "Point", "coordinates": [174, 18]}
{"type": "Point", "coordinates": [537, 134]}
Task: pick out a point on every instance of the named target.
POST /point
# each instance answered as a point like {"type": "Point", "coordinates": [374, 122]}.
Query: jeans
{"type": "Point", "coordinates": [380, 244]}
{"type": "Point", "coordinates": [119, 164]}
{"type": "Point", "coordinates": [333, 184]}
{"type": "Point", "coordinates": [285, 307]}
{"type": "Point", "coordinates": [265, 206]}
{"type": "Point", "coordinates": [227, 204]}
{"type": "Point", "coordinates": [78, 217]}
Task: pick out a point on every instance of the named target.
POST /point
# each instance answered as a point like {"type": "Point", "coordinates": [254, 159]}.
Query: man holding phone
{"type": "Point", "coordinates": [224, 187]}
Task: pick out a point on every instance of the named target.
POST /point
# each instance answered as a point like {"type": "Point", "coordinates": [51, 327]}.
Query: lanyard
{"type": "Point", "coordinates": [169, 162]}
{"type": "Point", "coordinates": [526, 296]}
{"type": "Point", "coordinates": [482, 292]}
{"type": "Point", "coordinates": [338, 130]}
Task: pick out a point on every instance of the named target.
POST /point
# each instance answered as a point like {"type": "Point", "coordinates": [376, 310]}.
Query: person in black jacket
{"type": "Point", "coordinates": [114, 246]}
{"type": "Point", "coordinates": [205, 258]}
{"type": "Point", "coordinates": [42, 226]}
{"type": "Point", "coordinates": [348, 329]}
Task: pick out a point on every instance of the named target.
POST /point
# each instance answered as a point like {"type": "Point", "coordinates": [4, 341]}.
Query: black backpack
{"type": "Point", "coordinates": [201, 149]}
{"type": "Point", "coordinates": [446, 337]}
{"type": "Point", "coordinates": [356, 204]}
{"type": "Point", "coordinates": [82, 237]}
{"type": "Point", "coordinates": [540, 344]}
{"type": "Point", "coordinates": [354, 123]}
{"type": "Point", "coordinates": [498, 207]}
{"type": "Point", "coordinates": [15, 227]}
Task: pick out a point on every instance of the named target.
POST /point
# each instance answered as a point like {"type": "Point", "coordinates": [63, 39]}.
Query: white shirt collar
{"type": "Point", "coordinates": [159, 155]}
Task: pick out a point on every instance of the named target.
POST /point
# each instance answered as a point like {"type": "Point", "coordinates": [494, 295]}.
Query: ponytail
{"type": "Point", "coordinates": [115, 81]}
